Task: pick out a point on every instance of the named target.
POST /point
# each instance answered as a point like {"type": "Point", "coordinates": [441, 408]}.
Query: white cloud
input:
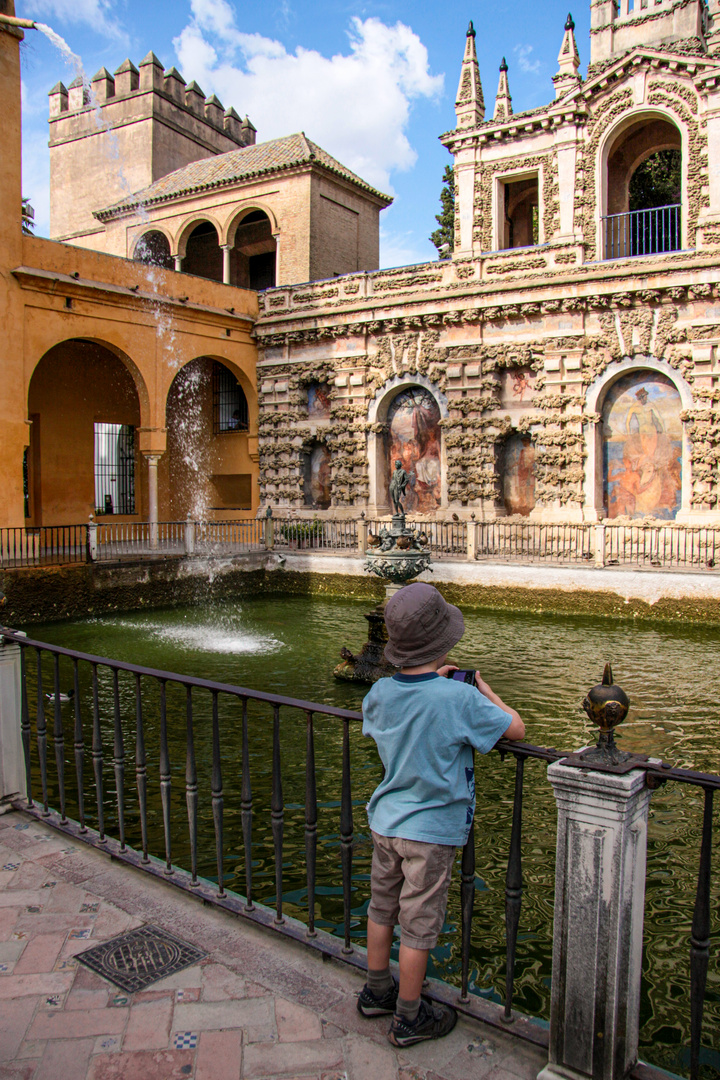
{"type": "Point", "coordinates": [356, 105]}
{"type": "Point", "coordinates": [96, 14]}
{"type": "Point", "coordinates": [403, 249]}
{"type": "Point", "coordinates": [532, 67]}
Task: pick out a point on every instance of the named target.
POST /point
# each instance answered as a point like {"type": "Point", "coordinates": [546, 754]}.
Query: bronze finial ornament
{"type": "Point", "coordinates": [607, 705]}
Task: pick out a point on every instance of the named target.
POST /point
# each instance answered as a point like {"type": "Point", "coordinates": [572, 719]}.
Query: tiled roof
{"type": "Point", "coordinates": [237, 165]}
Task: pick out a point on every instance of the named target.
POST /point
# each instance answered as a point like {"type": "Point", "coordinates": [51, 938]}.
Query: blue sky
{"type": "Point", "coordinates": [372, 82]}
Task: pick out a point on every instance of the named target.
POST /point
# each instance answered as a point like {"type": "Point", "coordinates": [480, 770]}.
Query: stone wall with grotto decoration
{"type": "Point", "coordinates": [514, 379]}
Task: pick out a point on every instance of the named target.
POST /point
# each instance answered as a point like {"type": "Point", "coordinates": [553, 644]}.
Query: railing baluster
{"type": "Point", "coordinates": [118, 758]}
{"type": "Point", "coordinates": [513, 887]}
{"type": "Point", "coordinates": [97, 755]}
{"type": "Point", "coordinates": [25, 723]}
{"type": "Point", "coordinates": [191, 784]}
{"type": "Point", "coordinates": [59, 737]}
{"type": "Point", "coordinates": [165, 778]}
{"type": "Point", "coordinates": [246, 808]}
{"type": "Point", "coordinates": [42, 735]}
{"type": "Point", "coordinates": [79, 748]}
{"type": "Point", "coordinates": [467, 899]}
{"type": "Point", "coordinates": [346, 835]}
{"type": "Point", "coordinates": [700, 939]}
{"type": "Point", "coordinates": [310, 822]}
{"type": "Point", "coordinates": [141, 767]}
{"type": "Point", "coordinates": [217, 793]}
{"type": "Point", "coordinates": [276, 805]}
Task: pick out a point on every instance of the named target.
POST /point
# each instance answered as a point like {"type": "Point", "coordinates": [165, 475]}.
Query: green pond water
{"type": "Point", "coordinates": [543, 665]}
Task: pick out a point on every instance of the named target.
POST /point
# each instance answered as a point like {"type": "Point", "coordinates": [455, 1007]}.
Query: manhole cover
{"type": "Point", "coordinates": [135, 960]}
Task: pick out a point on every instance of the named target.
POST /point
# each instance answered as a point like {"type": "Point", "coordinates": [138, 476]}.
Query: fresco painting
{"type": "Point", "coordinates": [642, 447]}
{"type": "Point", "coordinates": [414, 439]}
{"type": "Point", "coordinates": [518, 473]}
{"type": "Point", "coordinates": [318, 401]}
{"type": "Point", "coordinates": [517, 386]}
{"type": "Point", "coordinates": [318, 479]}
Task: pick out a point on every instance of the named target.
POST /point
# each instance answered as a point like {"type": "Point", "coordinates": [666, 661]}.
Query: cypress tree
{"type": "Point", "coordinates": [444, 237]}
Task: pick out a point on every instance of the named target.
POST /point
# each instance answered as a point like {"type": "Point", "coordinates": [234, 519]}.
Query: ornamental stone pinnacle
{"type": "Point", "coordinates": [503, 101]}
{"type": "Point", "coordinates": [469, 104]}
{"type": "Point", "coordinates": [567, 77]}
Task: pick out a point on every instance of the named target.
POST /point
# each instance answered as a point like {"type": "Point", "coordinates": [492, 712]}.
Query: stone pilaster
{"type": "Point", "coordinates": [12, 760]}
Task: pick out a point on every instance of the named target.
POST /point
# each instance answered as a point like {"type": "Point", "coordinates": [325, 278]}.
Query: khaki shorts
{"type": "Point", "coordinates": [410, 882]}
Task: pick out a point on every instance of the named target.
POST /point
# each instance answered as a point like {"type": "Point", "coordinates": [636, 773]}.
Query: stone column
{"type": "Point", "coordinates": [597, 935]}
{"type": "Point", "coordinates": [178, 262]}
{"type": "Point", "coordinates": [362, 535]}
{"type": "Point", "coordinates": [189, 536]}
{"type": "Point", "coordinates": [152, 460]}
{"type": "Point", "coordinates": [226, 249]}
{"type": "Point", "coordinates": [13, 778]}
{"type": "Point", "coordinates": [471, 540]}
{"type": "Point", "coordinates": [92, 549]}
{"type": "Point", "coordinates": [269, 533]}
{"type": "Point", "coordinates": [600, 544]}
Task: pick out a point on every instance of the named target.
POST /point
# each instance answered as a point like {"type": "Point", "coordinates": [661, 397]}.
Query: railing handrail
{"type": "Point", "coordinates": [645, 210]}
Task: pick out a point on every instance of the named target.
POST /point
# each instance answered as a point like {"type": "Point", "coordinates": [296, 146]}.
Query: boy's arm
{"type": "Point", "coordinates": [516, 730]}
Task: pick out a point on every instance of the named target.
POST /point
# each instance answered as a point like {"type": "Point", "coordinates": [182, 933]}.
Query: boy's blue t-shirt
{"type": "Point", "coordinates": [425, 727]}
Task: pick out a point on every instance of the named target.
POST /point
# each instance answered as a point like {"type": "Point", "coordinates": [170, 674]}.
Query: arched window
{"type": "Point", "coordinates": [516, 469]}
{"type": "Point", "coordinates": [253, 256]}
{"type": "Point", "coordinates": [644, 190]}
{"type": "Point", "coordinates": [153, 249]}
{"type": "Point", "coordinates": [642, 447]}
{"type": "Point", "coordinates": [414, 438]}
{"type": "Point", "coordinates": [317, 477]}
{"type": "Point", "coordinates": [203, 256]}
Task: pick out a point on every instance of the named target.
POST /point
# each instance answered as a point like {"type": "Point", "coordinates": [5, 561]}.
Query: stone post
{"type": "Point", "coordinates": [362, 535]}
{"type": "Point", "coordinates": [471, 541]}
{"type": "Point", "coordinates": [92, 549]}
{"type": "Point", "coordinates": [597, 935]}
{"type": "Point", "coordinates": [226, 249]}
{"type": "Point", "coordinates": [189, 536]}
{"type": "Point", "coordinates": [13, 778]}
{"type": "Point", "coordinates": [269, 532]}
{"type": "Point", "coordinates": [600, 544]}
{"type": "Point", "coordinates": [152, 460]}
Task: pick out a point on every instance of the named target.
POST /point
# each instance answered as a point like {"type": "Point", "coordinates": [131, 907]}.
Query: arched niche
{"type": "Point", "coordinates": [203, 256]}
{"type": "Point", "coordinates": [318, 400]}
{"type": "Point", "coordinates": [317, 476]}
{"type": "Point", "coordinates": [638, 460]}
{"type": "Point", "coordinates": [153, 249]}
{"type": "Point", "coordinates": [635, 222]}
{"type": "Point", "coordinates": [407, 413]}
{"type": "Point", "coordinates": [516, 472]}
{"type": "Point", "coordinates": [253, 251]}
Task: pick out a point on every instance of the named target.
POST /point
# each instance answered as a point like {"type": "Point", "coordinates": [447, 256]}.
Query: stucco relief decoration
{"type": "Point", "coordinates": [642, 447]}
{"type": "Point", "coordinates": [413, 438]}
{"type": "Point", "coordinates": [605, 115]}
{"type": "Point", "coordinates": [484, 188]}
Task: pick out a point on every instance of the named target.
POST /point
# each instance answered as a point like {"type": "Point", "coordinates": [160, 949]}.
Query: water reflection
{"type": "Point", "coordinates": [543, 665]}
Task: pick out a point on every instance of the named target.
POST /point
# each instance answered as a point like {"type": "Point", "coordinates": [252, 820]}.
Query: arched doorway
{"type": "Point", "coordinates": [516, 470]}
{"type": "Point", "coordinates": [254, 253]}
{"type": "Point", "coordinates": [84, 413]}
{"type": "Point", "coordinates": [413, 437]}
{"type": "Point", "coordinates": [642, 447]}
{"type": "Point", "coordinates": [643, 192]}
{"type": "Point", "coordinates": [206, 471]}
{"type": "Point", "coordinates": [203, 256]}
{"type": "Point", "coordinates": [153, 249]}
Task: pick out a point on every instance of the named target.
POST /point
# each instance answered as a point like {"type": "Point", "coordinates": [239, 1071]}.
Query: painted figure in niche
{"type": "Point", "coordinates": [318, 401]}
{"type": "Point", "coordinates": [414, 441]}
{"type": "Point", "coordinates": [521, 384]}
{"type": "Point", "coordinates": [318, 480]}
{"type": "Point", "coordinates": [642, 447]}
{"type": "Point", "coordinates": [519, 475]}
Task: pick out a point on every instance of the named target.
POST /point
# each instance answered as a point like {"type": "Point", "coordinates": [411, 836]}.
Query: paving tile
{"type": "Point", "coordinates": [149, 1025]}
{"type": "Point", "coordinates": [76, 1025]}
{"type": "Point", "coordinates": [31, 1048]}
{"type": "Point", "coordinates": [87, 999]}
{"type": "Point", "coordinates": [346, 1016]}
{"type": "Point", "coordinates": [221, 984]}
{"type": "Point", "coordinates": [181, 980]}
{"type": "Point", "coordinates": [143, 1065]}
{"type": "Point", "coordinates": [254, 1016]}
{"type": "Point", "coordinates": [15, 1016]}
{"type": "Point", "coordinates": [291, 1059]}
{"type": "Point", "coordinates": [10, 951]}
{"type": "Point", "coordinates": [40, 954]}
{"type": "Point", "coordinates": [107, 1044]}
{"type": "Point", "coordinates": [365, 1059]}
{"type": "Point", "coordinates": [18, 898]}
{"type": "Point", "coordinates": [219, 1056]}
{"type": "Point", "coordinates": [8, 918]}
{"type": "Point", "coordinates": [295, 1023]}
{"type": "Point", "coordinates": [437, 1054]}
{"type": "Point", "coordinates": [29, 876]}
{"type": "Point", "coordinates": [65, 1059]}
{"type": "Point", "coordinates": [18, 1070]}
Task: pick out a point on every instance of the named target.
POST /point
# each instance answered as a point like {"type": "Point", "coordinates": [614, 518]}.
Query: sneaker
{"type": "Point", "coordinates": [431, 1022]}
{"type": "Point", "coordinates": [369, 1005]}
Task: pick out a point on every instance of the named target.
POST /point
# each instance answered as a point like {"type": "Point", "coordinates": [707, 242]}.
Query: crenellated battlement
{"type": "Point", "coordinates": [123, 131]}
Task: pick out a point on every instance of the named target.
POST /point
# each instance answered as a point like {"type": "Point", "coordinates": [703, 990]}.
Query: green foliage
{"type": "Point", "coordinates": [444, 237]}
{"type": "Point", "coordinates": [302, 530]}
{"type": "Point", "coordinates": [657, 182]}
{"type": "Point", "coordinates": [28, 218]}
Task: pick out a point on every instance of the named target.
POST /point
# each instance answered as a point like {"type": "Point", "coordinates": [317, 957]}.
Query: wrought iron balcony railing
{"type": "Point", "coordinates": [642, 232]}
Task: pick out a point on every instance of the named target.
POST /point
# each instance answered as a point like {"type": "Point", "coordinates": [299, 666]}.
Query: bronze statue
{"type": "Point", "coordinates": [398, 483]}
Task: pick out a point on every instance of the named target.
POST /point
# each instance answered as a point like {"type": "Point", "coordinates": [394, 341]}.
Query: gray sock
{"type": "Point", "coordinates": [407, 1009]}
{"type": "Point", "coordinates": [379, 982]}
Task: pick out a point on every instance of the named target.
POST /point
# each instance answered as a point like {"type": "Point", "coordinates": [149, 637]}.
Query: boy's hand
{"type": "Point", "coordinates": [446, 669]}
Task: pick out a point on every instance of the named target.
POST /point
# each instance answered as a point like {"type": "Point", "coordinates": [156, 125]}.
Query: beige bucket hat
{"type": "Point", "coordinates": [421, 625]}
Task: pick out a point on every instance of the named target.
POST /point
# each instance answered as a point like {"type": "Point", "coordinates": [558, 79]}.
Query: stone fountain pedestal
{"type": "Point", "coordinates": [397, 555]}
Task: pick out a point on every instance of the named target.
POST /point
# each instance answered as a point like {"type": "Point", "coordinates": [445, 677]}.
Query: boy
{"type": "Point", "coordinates": [425, 728]}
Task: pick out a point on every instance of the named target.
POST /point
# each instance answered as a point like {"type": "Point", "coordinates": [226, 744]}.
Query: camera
{"type": "Point", "coordinates": [463, 676]}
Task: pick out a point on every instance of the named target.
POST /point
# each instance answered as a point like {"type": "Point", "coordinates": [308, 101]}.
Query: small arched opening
{"type": "Point", "coordinates": [413, 437]}
{"type": "Point", "coordinates": [153, 249]}
{"type": "Point", "coordinates": [516, 471]}
{"type": "Point", "coordinates": [317, 476]}
{"type": "Point", "coordinates": [253, 255]}
{"type": "Point", "coordinates": [203, 255]}
{"type": "Point", "coordinates": [644, 190]}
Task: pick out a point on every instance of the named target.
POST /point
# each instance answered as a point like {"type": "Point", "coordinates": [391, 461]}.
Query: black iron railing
{"type": "Point", "coordinates": [34, 656]}
{"type": "Point", "coordinates": [642, 232]}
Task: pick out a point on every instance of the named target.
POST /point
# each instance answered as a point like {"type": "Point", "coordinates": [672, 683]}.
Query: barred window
{"type": "Point", "coordinates": [114, 469]}
{"type": "Point", "coordinates": [230, 407]}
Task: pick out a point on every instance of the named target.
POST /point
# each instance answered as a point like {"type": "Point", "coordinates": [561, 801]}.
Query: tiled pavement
{"type": "Point", "coordinates": [258, 1007]}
